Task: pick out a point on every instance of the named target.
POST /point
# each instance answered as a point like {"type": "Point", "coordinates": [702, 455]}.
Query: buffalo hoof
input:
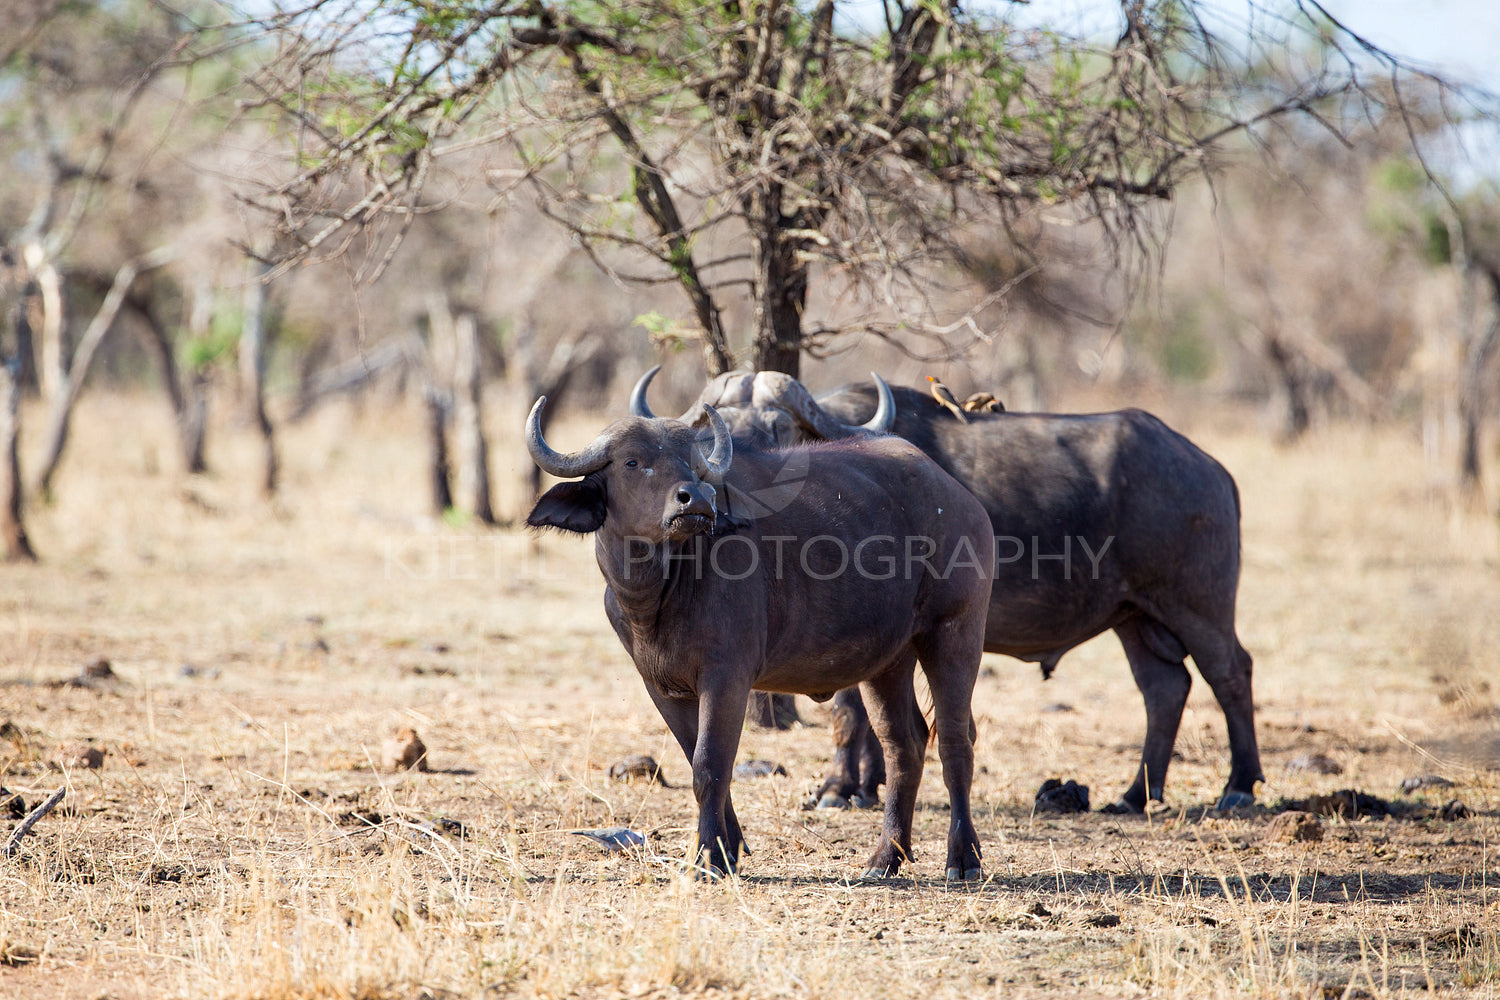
{"type": "Point", "coordinates": [710, 873]}
{"type": "Point", "coordinates": [965, 874]}
{"type": "Point", "coordinates": [833, 800]}
{"type": "Point", "coordinates": [1120, 808]}
{"type": "Point", "coordinates": [1234, 800]}
{"type": "Point", "coordinates": [862, 801]}
{"type": "Point", "coordinates": [876, 874]}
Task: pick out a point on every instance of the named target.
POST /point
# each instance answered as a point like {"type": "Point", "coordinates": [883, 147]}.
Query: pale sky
{"type": "Point", "coordinates": [1460, 38]}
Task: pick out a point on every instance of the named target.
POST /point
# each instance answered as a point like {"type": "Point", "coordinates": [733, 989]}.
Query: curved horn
{"type": "Point", "coordinates": [712, 468]}
{"type": "Point", "coordinates": [638, 405]}
{"type": "Point", "coordinates": [885, 410]}
{"type": "Point", "coordinates": [791, 395]}
{"type": "Point", "coordinates": [731, 389]}
{"type": "Point", "coordinates": [591, 459]}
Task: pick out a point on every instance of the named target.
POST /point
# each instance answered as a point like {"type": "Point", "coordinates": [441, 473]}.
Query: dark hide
{"type": "Point", "coordinates": [1058, 489]}
{"type": "Point", "coordinates": [710, 608]}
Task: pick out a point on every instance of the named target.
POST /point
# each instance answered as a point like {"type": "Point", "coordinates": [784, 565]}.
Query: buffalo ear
{"type": "Point", "coordinates": [576, 507]}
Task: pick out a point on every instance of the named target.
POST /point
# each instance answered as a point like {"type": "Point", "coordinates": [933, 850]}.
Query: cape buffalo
{"type": "Point", "coordinates": [1102, 521]}
{"type": "Point", "coordinates": [866, 560]}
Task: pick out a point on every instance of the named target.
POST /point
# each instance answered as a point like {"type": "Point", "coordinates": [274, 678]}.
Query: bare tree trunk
{"type": "Point", "coordinates": [14, 337]}
{"type": "Point", "coordinates": [14, 545]}
{"type": "Point", "coordinates": [437, 426]}
{"type": "Point", "coordinates": [252, 364]}
{"type": "Point", "coordinates": [468, 426]}
{"type": "Point", "coordinates": [781, 294]}
{"type": "Point", "coordinates": [190, 401]}
{"type": "Point", "coordinates": [49, 328]}
{"type": "Point", "coordinates": [1290, 395]}
{"type": "Point", "coordinates": [553, 380]}
{"type": "Point", "coordinates": [780, 288]}
{"type": "Point", "coordinates": [60, 414]}
{"type": "Point", "coordinates": [1472, 400]}
{"type": "Point", "coordinates": [1472, 397]}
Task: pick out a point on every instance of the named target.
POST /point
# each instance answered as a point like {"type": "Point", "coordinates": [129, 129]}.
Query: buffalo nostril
{"type": "Point", "coordinates": [684, 497]}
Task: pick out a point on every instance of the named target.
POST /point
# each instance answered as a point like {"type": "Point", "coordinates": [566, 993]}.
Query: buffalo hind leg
{"type": "Point", "coordinates": [1164, 684]}
{"type": "Point", "coordinates": [1227, 666]}
{"type": "Point", "coordinates": [858, 767]}
{"type": "Point", "coordinates": [950, 659]}
{"type": "Point", "coordinates": [892, 702]}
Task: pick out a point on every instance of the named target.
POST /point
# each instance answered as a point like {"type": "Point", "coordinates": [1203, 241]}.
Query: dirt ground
{"type": "Point", "coordinates": [240, 840]}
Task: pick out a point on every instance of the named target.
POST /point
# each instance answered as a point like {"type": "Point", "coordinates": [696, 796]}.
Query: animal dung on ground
{"type": "Point", "coordinates": [637, 767]}
{"type": "Point", "coordinates": [1062, 797]}
{"type": "Point", "coordinates": [404, 752]}
{"type": "Point", "coordinates": [12, 804]}
{"type": "Point", "coordinates": [97, 674]}
{"type": "Point", "coordinates": [1348, 803]}
{"type": "Point", "coordinates": [1456, 810]}
{"type": "Point", "coordinates": [1315, 763]}
{"type": "Point", "coordinates": [1294, 827]}
{"type": "Point", "coordinates": [758, 769]}
{"type": "Point", "coordinates": [81, 756]}
{"type": "Point", "coordinates": [11, 733]}
{"type": "Point", "coordinates": [98, 669]}
{"type": "Point", "coordinates": [614, 838]}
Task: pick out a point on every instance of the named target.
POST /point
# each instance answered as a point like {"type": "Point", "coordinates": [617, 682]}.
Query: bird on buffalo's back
{"type": "Point", "coordinates": [983, 402]}
{"type": "Point", "coordinates": [944, 395]}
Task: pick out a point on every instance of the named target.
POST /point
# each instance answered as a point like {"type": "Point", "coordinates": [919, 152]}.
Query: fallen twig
{"type": "Point", "coordinates": [14, 844]}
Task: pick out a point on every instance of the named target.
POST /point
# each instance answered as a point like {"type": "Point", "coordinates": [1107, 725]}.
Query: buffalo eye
{"type": "Point", "coordinates": [632, 463]}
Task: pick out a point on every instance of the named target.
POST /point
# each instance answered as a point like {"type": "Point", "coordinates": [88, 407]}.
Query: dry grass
{"type": "Point", "coordinates": [225, 848]}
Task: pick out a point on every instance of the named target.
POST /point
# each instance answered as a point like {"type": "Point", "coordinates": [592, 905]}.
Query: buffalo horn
{"type": "Point", "coordinates": [638, 405]}
{"type": "Point", "coordinates": [714, 467]}
{"type": "Point", "coordinates": [590, 459]}
{"type": "Point", "coordinates": [794, 397]}
{"type": "Point", "coordinates": [885, 411]}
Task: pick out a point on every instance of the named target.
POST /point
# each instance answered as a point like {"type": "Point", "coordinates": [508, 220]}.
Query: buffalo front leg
{"type": "Point", "coordinates": [858, 767]}
{"type": "Point", "coordinates": [903, 734]}
{"type": "Point", "coordinates": [719, 842]}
